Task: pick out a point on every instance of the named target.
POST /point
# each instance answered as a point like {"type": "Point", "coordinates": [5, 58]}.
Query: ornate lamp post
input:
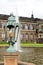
{"type": "Point", "coordinates": [13, 29]}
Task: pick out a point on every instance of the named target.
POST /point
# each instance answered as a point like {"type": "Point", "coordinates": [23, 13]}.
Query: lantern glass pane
{"type": "Point", "coordinates": [10, 33]}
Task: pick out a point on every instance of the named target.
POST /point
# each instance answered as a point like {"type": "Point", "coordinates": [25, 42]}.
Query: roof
{"type": "Point", "coordinates": [5, 17]}
{"type": "Point", "coordinates": [27, 19]}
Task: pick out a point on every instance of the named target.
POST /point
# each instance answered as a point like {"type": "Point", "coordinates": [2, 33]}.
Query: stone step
{"type": "Point", "coordinates": [19, 63]}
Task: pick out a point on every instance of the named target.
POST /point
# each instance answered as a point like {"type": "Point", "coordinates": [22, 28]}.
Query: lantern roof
{"type": "Point", "coordinates": [11, 17]}
{"type": "Point", "coordinates": [11, 22]}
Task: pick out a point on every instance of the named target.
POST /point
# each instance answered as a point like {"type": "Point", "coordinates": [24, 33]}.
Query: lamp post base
{"type": "Point", "coordinates": [11, 58]}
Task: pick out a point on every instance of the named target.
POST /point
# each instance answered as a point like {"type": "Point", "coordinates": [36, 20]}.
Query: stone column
{"type": "Point", "coordinates": [11, 58]}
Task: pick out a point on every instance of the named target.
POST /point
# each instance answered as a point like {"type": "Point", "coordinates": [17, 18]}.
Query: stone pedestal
{"type": "Point", "coordinates": [11, 58]}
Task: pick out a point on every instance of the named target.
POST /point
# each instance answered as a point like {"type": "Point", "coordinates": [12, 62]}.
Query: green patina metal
{"type": "Point", "coordinates": [11, 48]}
{"type": "Point", "coordinates": [11, 23]}
{"type": "Point", "coordinates": [40, 30]}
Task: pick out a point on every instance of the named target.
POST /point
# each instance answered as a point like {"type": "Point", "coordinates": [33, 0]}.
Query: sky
{"type": "Point", "coordinates": [22, 7]}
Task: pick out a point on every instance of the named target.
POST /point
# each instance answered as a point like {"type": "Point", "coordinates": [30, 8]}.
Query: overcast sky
{"type": "Point", "coordinates": [24, 7]}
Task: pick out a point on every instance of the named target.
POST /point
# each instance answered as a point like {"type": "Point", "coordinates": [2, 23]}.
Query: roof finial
{"type": "Point", "coordinates": [32, 16]}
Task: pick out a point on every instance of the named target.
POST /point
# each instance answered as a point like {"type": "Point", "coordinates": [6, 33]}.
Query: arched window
{"type": "Point", "coordinates": [21, 26]}
{"type": "Point", "coordinates": [31, 37]}
{"type": "Point", "coordinates": [3, 36]}
{"type": "Point", "coordinates": [0, 25]}
{"type": "Point", "coordinates": [26, 36]}
{"type": "Point", "coordinates": [40, 36]}
{"type": "Point", "coordinates": [21, 36]}
{"type": "Point", "coordinates": [31, 27]}
{"type": "Point", "coordinates": [26, 26]}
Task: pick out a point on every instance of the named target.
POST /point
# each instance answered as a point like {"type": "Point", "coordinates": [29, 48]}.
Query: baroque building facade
{"type": "Point", "coordinates": [31, 28]}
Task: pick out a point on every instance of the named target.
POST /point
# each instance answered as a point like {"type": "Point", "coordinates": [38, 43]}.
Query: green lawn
{"type": "Point", "coordinates": [31, 44]}
{"type": "Point", "coordinates": [3, 43]}
{"type": "Point", "coordinates": [28, 44]}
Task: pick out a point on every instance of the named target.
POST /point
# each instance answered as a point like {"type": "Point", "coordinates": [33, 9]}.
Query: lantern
{"type": "Point", "coordinates": [12, 29]}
